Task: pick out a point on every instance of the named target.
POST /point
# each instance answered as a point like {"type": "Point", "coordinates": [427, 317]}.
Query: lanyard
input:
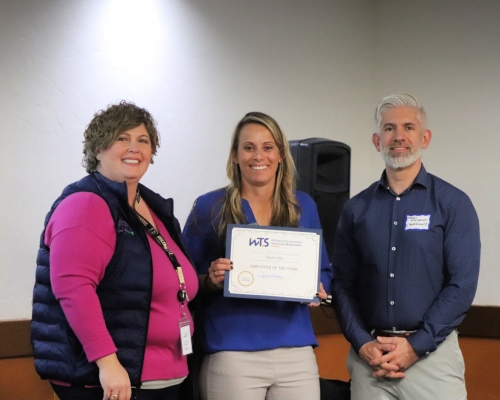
{"type": "Point", "coordinates": [181, 294]}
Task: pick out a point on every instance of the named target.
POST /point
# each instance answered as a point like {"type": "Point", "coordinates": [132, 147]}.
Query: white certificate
{"type": "Point", "coordinates": [273, 263]}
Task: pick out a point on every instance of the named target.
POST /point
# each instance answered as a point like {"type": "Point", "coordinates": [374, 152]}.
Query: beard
{"type": "Point", "coordinates": [400, 161]}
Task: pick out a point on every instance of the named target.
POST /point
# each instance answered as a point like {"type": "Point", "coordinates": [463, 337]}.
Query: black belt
{"type": "Point", "coordinates": [388, 333]}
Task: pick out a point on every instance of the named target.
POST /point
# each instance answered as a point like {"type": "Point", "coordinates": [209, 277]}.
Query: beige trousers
{"type": "Point", "coordinates": [437, 376]}
{"type": "Point", "coordinates": [278, 374]}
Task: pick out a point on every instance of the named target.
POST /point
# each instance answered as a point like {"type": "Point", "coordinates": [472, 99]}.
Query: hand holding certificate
{"type": "Point", "coordinates": [273, 263]}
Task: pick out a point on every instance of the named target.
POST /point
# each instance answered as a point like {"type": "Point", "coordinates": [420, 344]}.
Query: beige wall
{"type": "Point", "coordinates": [318, 67]}
{"type": "Point", "coordinates": [197, 65]}
{"type": "Point", "coordinates": [447, 53]}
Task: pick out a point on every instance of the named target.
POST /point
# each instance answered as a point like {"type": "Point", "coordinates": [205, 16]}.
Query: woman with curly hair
{"type": "Point", "coordinates": [113, 280]}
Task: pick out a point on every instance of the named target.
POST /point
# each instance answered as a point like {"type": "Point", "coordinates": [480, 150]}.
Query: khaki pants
{"type": "Point", "coordinates": [437, 376]}
{"type": "Point", "coordinates": [278, 374]}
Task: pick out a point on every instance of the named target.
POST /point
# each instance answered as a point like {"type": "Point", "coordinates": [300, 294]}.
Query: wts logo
{"type": "Point", "coordinates": [262, 242]}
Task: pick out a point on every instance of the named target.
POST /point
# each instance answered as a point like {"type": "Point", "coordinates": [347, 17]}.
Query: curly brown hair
{"type": "Point", "coordinates": [108, 124]}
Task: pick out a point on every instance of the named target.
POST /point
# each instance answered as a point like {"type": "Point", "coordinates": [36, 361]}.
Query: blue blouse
{"type": "Point", "coordinates": [241, 324]}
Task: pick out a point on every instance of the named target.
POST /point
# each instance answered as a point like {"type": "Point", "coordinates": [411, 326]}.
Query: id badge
{"type": "Point", "coordinates": [185, 329]}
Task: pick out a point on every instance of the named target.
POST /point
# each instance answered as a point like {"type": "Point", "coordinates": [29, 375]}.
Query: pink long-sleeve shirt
{"type": "Point", "coordinates": [81, 237]}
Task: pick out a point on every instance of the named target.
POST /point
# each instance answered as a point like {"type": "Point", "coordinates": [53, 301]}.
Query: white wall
{"type": "Point", "coordinates": [319, 67]}
{"type": "Point", "coordinates": [447, 53]}
{"type": "Point", "coordinates": [197, 65]}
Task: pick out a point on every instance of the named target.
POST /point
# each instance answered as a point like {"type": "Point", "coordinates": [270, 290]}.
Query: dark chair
{"type": "Point", "coordinates": [332, 389]}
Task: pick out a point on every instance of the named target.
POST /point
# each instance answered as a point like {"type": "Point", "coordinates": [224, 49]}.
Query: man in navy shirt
{"type": "Point", "coordinates": [406, 264]}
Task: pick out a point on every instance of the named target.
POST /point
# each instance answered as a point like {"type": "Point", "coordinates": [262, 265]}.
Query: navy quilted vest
{"type": "Point", "coordinates": [124, 292]}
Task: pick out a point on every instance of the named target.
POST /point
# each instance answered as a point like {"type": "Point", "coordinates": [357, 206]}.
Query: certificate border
{"type": "Point", "coordinates": [229, 234]}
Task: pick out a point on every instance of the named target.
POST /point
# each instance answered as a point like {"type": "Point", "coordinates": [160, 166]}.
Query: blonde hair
{"type": "Point", "coordinates": [286, 210]}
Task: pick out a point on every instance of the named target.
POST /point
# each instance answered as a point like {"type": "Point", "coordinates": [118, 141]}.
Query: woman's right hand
{"type": "Point", "coordinates": [217, 270]}
{"type": "Point", "coordinates": [114, 379]}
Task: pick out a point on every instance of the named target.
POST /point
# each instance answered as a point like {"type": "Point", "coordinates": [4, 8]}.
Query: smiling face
{"type": "Point", "coordinates": [128, 158]}
{"type": "Point", "coordinates": [257, 155]}
{"type": "Point", "coordinates": [401, 138]}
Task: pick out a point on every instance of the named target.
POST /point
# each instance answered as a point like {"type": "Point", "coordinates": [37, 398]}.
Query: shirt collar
{"type": "Point", "coordinates": [247, 210]}
{"type": "Point", "coordinates": [422, 179]}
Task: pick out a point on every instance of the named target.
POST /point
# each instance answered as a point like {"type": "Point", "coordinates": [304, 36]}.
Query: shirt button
{"type": "Point", "coordinates": [391, 303]}
{"type": "Point", "coordinates": [391, 275]}
{"type": "Point", "coordinates": [393, 249]}
{"type": "Point", "coordinates": [395, 222]}
{"type": "Point", "coordinates": [398, 198]}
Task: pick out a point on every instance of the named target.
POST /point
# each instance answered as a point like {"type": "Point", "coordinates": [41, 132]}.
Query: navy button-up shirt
{"type": "Point", "coordinates": [406, 262]}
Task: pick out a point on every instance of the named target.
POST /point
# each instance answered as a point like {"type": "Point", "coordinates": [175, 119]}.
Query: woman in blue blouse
{"type": "Point", "coordinates": [256, 349]}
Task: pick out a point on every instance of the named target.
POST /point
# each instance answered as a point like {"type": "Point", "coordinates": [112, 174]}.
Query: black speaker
{"type": "Point", "coordinates": [324, 172]}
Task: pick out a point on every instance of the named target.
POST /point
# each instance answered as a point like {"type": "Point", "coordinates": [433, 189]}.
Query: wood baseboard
{"type": "Point", "coordinates": [480, 321]}
{"type": "Point", "coordinates": [15, 339]}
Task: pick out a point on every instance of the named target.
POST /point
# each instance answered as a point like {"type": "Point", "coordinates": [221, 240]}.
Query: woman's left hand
{"type": "Point", "coordinates": [114, 378]}
{"type": "Point", "coordinates": [216, 271]}
{"type": "Point", "coordinates": [321, 294]}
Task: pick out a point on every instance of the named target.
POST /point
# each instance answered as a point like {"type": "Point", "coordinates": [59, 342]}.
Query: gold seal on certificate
{"type": "Point", "coordinates": [273, 262]}
{"type": "Point", "coordinates": [245, 278]}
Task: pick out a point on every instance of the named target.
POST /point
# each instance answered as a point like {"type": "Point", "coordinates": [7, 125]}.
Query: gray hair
{"type": "Point", "coordinates": [400, 100]}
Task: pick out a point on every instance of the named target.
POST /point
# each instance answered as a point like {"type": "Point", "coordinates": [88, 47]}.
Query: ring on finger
{"type": "Point", "coordinates": [113, 397]}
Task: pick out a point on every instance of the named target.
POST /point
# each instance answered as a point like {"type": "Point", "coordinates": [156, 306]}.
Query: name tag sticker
{"type": "Point", "coordinates": [418, 222]}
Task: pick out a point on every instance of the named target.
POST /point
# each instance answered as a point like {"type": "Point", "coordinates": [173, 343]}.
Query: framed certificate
{"type": "Point", "coordinates": [273, 263]}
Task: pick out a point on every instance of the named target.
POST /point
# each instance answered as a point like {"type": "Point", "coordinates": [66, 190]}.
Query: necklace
{"type": "Point", "coordinates": [137, 197]}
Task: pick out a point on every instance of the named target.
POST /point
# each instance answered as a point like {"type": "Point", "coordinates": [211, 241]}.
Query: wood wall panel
{"type": "Point", "coordinates": [480, 321]}
{"type": "Point", "coordinates": [19, 381]}
{"type": "Point", "coordinates": [479, 339]}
